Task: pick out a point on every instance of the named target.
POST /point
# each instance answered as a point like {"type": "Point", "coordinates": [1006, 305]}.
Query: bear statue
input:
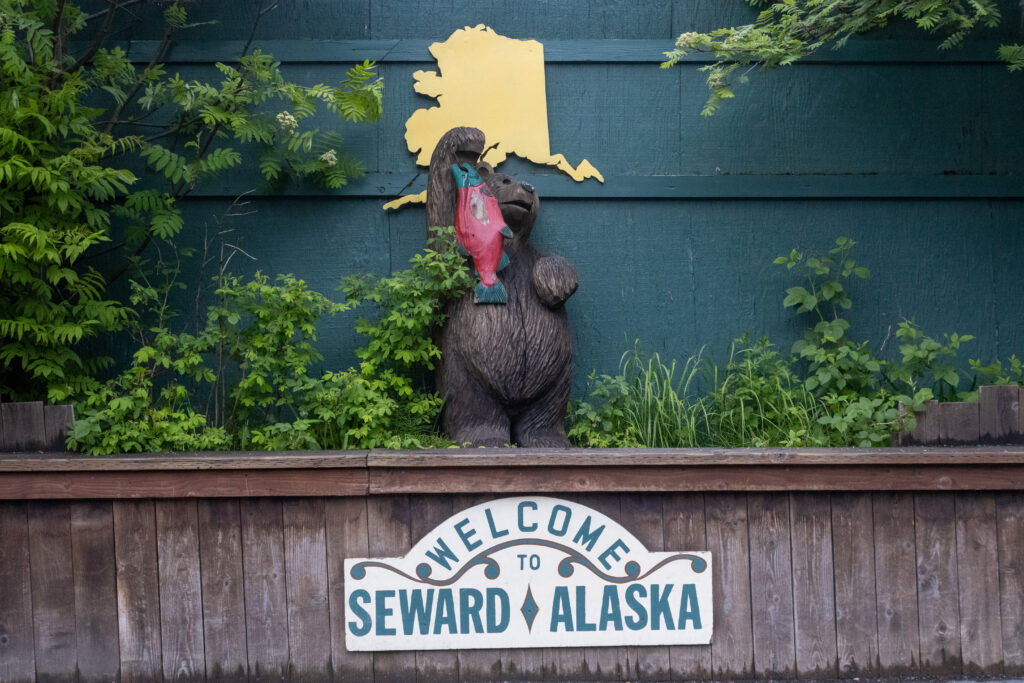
{"type": "Point", "coordinates": [505, 369]}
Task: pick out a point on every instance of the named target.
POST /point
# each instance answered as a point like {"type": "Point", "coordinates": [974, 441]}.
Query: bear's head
{"type": "Point", "coordinates": [518, 200]}
{"type": "Point", "coordinates": [457, 146]}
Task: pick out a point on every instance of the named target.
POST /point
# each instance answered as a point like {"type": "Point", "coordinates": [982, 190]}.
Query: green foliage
{"type": "Point", "coordinates": [254, 363]}
{"type": "Point", "coordinates": [788, 30]}
{"type": "Point", "coordinates": [830, 391]}
{"type": "Point", "coordinates": [66, 195]}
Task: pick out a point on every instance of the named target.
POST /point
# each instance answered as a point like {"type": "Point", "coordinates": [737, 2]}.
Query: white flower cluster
{"type": "Point", "coordinates": [330, 157]}
{"type": "Point", "coordinates": [687, 39]}
{"type": "Point", "coordinates": [287, 122]}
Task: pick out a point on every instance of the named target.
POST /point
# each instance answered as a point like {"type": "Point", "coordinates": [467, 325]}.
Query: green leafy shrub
{"type": "Point", "coordinates": [254, 363]}
{"type": "Point", "coordinates": [69, 125]}
{"type": "Point", "coordinates": [830, 391]}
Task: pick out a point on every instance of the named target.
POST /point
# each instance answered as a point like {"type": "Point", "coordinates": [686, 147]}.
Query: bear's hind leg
{"type": "Point", "coordinates": [542, 425]}
{"type": "Point", "coordinates": [474, 419]}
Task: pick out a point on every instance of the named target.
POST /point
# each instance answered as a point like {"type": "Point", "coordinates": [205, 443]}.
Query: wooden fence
{"type": "Point", "coordinates": [996, 417]}
{"type": "Point", "coordinates": [32, 426]}
{"type": "Point", "coordinates": [827, 564]}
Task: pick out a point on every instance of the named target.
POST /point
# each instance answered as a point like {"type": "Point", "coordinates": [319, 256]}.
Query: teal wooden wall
{"type": "Point", "coordinates": [914, 153]}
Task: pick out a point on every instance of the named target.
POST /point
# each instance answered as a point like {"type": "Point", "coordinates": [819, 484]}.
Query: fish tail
{"type": "Point", "coordinates": [504, 261]}
{"type": "Point", "coordinates": [495, 294]}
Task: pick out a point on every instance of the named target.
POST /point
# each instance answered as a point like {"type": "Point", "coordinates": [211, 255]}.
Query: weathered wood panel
{"type": "Point", "coordinates": [977, 559]}
{"type": "Point", "coordinates": [266, 599]}
{"type": "Point", "coordinates": [771, 585]}
{"type": "Point", "coordinates": [425, 513]}
{"type": "Point", "coordinates": [732, 647]}
{"type": "Point", "coordinates": [305, 563]}
{"type": "Point", "coordinates": [1010, 529]}
{"type": "Point", "coordinates": [896, 583]}
{"type": "Point", "coordinates": [823, 584]}
{"type": "Point", "coordinates": [95, 583]}
{"type": "Point", "coordinates": [138, 591]}
{"type": "Point", "coordinates": [683, 519]}
{"type": "Point", "coordinates": [24, 428]}
{"type": "Point", "coordinates": [223, 585]}
{"type": "Point", "coordinates": [813, 572]}
{"type": "Point", "coordinates": [53, 591]}
{"type": "Point", "coordinates": [644, 516]}
{"type": "Point", "coordinates": [853, 553]}
{"type": "Point", "coordinates": [17, 641]}
{"type": "Point", "coordinates": [347, 536]}
{"type": "Point", "coordinates": [389, 536]}
{"type": "Point", "coordinates": [937, 583]}
{"type": "Point", "coordinates": [181, 616]}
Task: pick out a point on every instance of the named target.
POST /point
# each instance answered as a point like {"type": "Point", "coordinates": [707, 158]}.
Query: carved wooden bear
{"type": "Point", "coordinates": [505, 370]}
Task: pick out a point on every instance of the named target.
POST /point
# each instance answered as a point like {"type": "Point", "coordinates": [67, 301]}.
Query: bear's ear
{"type": "Point", "coordinates": [484, 169]}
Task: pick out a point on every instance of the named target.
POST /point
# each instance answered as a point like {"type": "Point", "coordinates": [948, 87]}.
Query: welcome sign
{"type": "Point", "coordinates": [528, 572]}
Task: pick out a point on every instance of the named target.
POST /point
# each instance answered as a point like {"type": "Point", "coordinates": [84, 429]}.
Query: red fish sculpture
{"type": "Point", "coordinates": [480, 229]}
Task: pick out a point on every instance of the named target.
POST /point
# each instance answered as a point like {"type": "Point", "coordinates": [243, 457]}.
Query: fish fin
{"type": "Point", "coordinates": [507, 232]}
{"type": "Point", "coordinates": [504, 261]}
{"type": "Point", "coordinates": [462, 249]}
{"type": "Point", "coordinates": [495, 294]}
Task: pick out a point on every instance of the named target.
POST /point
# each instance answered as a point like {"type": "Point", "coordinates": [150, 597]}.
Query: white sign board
{"type": "Point", "coordinates": [528, 572]}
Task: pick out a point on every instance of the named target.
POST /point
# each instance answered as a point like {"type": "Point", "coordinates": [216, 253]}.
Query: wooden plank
{"type": "Point", "coordinates": [813, 582]}
{"type": "Point", "coordinates": [937, 590]}
{"type": "Point", "coordinates": [181, 598]}
{"type": "Point", "coordinates": [95, 588]}
{"type": "Point", "coordinates": [581, 458]}
{"type": "Point", "coordinates": [732, 647]}
{"type": "Point", "coordinates": [305, 562]}
{"type": "Point", "coordinates": [643, 516]}
{"type": "Point", "coordinates": [212, 484]}
{"type": "Point", "coordinates": [926, 431]}
{"type": "Point", "coordinates": [223, 584]}
{"type": "Point", "coordinates": [227, 460]}
{"type": "Point", "coordinates": [999, 408]}
{"type": "Point", "coordinates": [683, 517]}
{"type": "Point", "coordinates": [468, 665]}
{"type": "Point", "coordinates": [138, 591]}
{"type": "Point", "coordinates": [689, 457]}
{"type": "Point", "coordinates": [266, 600]}
{"type": "Point", "coordinates": [670, 186]}
{"type": "Point", "coordinates": [17, 641]}
{"type": "Point", "coordinates": [507, 480]}
{"type": "Point", "coordinates": [1010, 530]}
{"type": "Point", "coordinates": [388, 522]}
{"type": "Point", "coordinates": [607, 663]}
{"type": "Point", "coordinates": [961, 423]}
{"type": "Point", "coordinates": [595, 51]}
{"type": "Point", "coordinates": [57, 421]}
{"type": "Point", "coordinates": [771, 586]}
{"type": "Point", "coordinates": [977, 559]}
{"type": "Point", "coordinates": [23, 426]}
{"type": "Point", "coordinates": [896, 583]}
{"type": "Point", "coordinates": [53, 595]}
{"type": "Point", "coordinates": [655, 479]}
{"type": "Point", "coordinates": [346, 525]}
{"type": "Point", "coordinates": [853, 557]}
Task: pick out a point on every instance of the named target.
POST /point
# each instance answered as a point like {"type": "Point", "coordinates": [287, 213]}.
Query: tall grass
{"type": "Point", "coordinates": [754, 399]}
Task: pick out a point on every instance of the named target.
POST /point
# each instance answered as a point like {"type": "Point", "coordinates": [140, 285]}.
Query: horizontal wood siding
{"type": "Point", "coordinates": [251, 589]}
{"type": "Point", "coordinates": [889, 141]}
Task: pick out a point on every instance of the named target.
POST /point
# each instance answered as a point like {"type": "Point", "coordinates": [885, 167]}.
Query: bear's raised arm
{"type": "Point", "coordinates": [554, 279]}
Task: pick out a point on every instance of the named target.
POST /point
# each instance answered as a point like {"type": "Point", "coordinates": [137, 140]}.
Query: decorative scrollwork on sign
{"type": "Point", "coordinates": [492, 569]}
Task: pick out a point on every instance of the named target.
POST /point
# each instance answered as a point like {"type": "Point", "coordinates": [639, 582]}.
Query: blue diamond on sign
{"type": "Point", "coordinates": [529, 609]}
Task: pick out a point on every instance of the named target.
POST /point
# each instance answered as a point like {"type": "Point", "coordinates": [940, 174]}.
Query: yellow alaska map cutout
{"type": "Point", "coordinates": [492, 83]}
